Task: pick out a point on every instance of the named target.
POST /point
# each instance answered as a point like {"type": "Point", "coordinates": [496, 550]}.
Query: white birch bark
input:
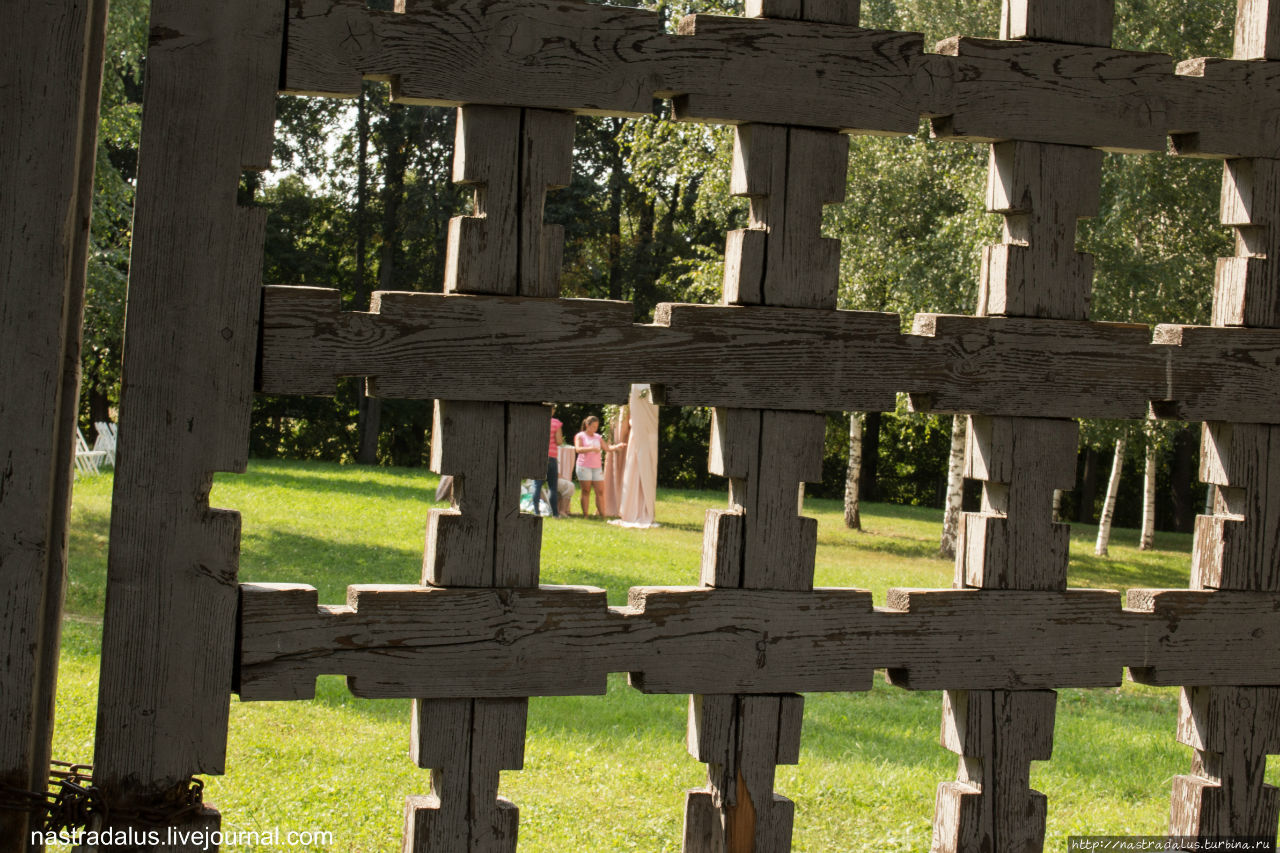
{"type": "Point", "coordinates": [1148, 540]}
{"type": "Point", "coordinates": [955, 488]}
{"type": "Point", "coordinates": [1109, 504]}
{"type": "Point", "coordinates": [852, 513]}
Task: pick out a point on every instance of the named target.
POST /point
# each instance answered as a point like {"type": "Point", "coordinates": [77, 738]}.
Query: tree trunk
{"type": "Point", "coordinates": [1109, 503]}
{"type": "Point", "coordinates": [616, 177]}
{"type": "Point", "coordinates": [1182, 476]}
{"type": "Point", "coordinates": [867, 490]}
{"type": "Point", "coordinates": [1057, 505]}
{"type": "Point", "coordinates": [852, 513]}
{"type": "Point", "coordinates": [366, 443]}
{"type": "Point", "coordinates": [955, 489]}
{"type": "Point", "coordinates": [1148, 539]}
{"type": "Point", "coordinates": [1088, 487]}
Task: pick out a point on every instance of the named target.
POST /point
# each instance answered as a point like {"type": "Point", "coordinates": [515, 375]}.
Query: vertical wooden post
{"type": "Point", "coordinates": [48, 141]}
{"type": "Point", "coordinates": [760, 542]}
{"type": "Point", "coordinates": [1234, 729]}
{"type": "Point", "coordinates": [512, 156]}
{"type": "Point", "coordinates": [190, 343]}
{"type": "Point", "coordinates": [1013, 541]}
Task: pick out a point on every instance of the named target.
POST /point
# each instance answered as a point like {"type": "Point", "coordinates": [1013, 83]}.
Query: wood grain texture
{"type": "Point", "coordinates": [513, 157]}
{"type": "Point", "coordinates": [789, 174]}
{"type": "Point", "coordinates": [761, 542]}
{"type": "Point", "coordinates": [450, 643]}
{"type": "Point", "coordinates": [1219, 374]}
{"type": "Point", "coordinates": [827, 11]}
{"type": "Point", "coordinates": [1042, 190]}
{"type": "Point", "coordinates": [991, 806]}
{"type": "Point", "coordinates": [1064, 94]}
{"type": "Point", "coordinates": [465, 743]}
{"type": "Point", "coordinates": [1247, 286]}
{"type": "Point", "coordinates": [991, 365]}
{"type": "Point", "coordinates": [1225, 108]}
{"type": "Point", "coordinates": [1257, 30]}
{"type": "Point", "coordinates": [594, 59]}
{"type": "Point", "coordinates": [52, 67]}
{"type": "Point", "coordinates": [1238, 546]}
{"type": "Point", "coordinates": [483, 540]}
{"type": "Point", "coordinates": [1013, 542]}
{"type": "Point", "coordinates": [1233, 730]}
{"type": "Point", "coordinates": [169, 631]}
{"type": "Point", "coordinates": [1079, 22]}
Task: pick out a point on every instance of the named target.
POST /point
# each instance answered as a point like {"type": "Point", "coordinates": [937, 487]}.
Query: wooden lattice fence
{"type": "Point", "coordinates": [479, 636]}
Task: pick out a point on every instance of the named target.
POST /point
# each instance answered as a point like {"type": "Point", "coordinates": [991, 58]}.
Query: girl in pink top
{"type": "Point", "coordinates": [590, 465]}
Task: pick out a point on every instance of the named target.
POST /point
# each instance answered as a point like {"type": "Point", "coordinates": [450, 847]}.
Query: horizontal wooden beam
{"type": "Point", "coordinates": [409, 641]}
{"type": "Point", "coordinates": [462, 347]}
{"type": "Point", "coordinates": [598, 59]}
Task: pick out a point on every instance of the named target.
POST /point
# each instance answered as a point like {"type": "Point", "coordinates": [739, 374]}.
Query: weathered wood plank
{"type": "Point", "coordinates": [513, 157]}
{"type": "Point", "coordinates": [997, 735]}
{"type": "Point", "coordinates": [1203, 637]}
{"type": "Point", "coordinates": [789, 174]}
{"type": "Point", "coordinates": [991, 365]}
{"type": "Point", "coordinates": [1220, 374]}
{"type": "Point", "coordinates": [1063, 94]}
{"type": "Point", "coordinates": [1238, 546]}
{"type": "Point", "coordinates": [1225, 108]}
{"type": "Point", "coordinates": [1079, 22]}
{"type": "Point", "coordinates": [1257, 30]}
{"type": "Point", "coordinates": [443, 643]}
{"type": "Point", "coordinates": [169, 632]}
{"type": "Point", "coordinates": [1233, 730]}
{"type": "Point", "coordinates": [1247, 286]}
{"type": "Point", "coordinates": [1013, 541]}
{"type": "Point", "coordinates": [588, 58]}
{"type": "Point", "coordinates": [52, 68]}
{"type": "Point", "coordinates": [1042, 190]}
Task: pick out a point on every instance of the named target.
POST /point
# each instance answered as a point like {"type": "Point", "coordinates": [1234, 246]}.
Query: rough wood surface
{"type": "Point", "coordinates": [445, 643]}
{"type": "Point", "coordinates": [1247, 286]}
{"type": "Point", "coordinates": [1064, 94]}
{"type": "Point", "coordinates": [424, 346]}
{"type": "Point", "coordinates": [512, 156]}
{"type": "Point", "coordinates": [1233, 730]}
{"type": "Point", "coordinates": [789, 174]}
{"type": "Point", "coordinates": [1257, 30]}
{"type": "Point", "coordinates": [465, 743]}
{"type": "Point", "coordinates": [1013, 542]}
{"type": "Point", "coordinates": [590, 58]}
{"type": "Point", "coordinates": [169, 631]}
{"type": "Point", "coordinates": [596, 59]}
{"type": "Point", "coordinates": [991, 805]}
{"type": "Point", "coordinates": [991, 364]}
{"type": "Point", "coordinates": [52, 67]}
{"type": "Point", "coordinates": [1237, 547]}
{"type": "Point", "coordinates": [1042, 190]}
{"type": "Point", "coordinates": [483, 540]}
{"type": "Point", "coordinates": [761, 542]}
{"type": "Point", "coordinates": [1225, 108]}
{"type": "Point", "coordinates": [1079, 22]}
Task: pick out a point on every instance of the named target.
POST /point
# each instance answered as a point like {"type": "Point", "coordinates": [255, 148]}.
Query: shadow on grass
{"type": "Point", "coordinates": [895, 546]}
{"type": "Point", "coordinates": [275, 556]}
{"type": "Point", "coordinates": [326, 479]}
{"type": "Point", "coordinates": [1126, 574]}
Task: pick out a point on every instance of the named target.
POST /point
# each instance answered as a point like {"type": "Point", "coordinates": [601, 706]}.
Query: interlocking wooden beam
{"type": "Point", "coordinates": [819, 72]}
{"type": "Point", "coordinates": [425, 345]}
{"type": "Point", "coordinates": [405, 641]}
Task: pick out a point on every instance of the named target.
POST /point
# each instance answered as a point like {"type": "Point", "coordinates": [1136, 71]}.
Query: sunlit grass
{"type": "Point", "coordinates": [609, 772]}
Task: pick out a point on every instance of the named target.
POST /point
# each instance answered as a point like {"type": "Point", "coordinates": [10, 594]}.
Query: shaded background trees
{"type": "Point", "coordinates": [361, 196]}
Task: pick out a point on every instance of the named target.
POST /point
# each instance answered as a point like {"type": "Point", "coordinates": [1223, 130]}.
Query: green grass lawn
{"type": "Point", "coordinates": [610, 771]}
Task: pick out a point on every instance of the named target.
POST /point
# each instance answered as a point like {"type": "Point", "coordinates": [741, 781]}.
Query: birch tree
{"type": "Point", "coordinates": [852, 510]}
{"type": "Point", "coordinates": [955, 488]}
{"type": "Point", "coordinates": [1109, 503]}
